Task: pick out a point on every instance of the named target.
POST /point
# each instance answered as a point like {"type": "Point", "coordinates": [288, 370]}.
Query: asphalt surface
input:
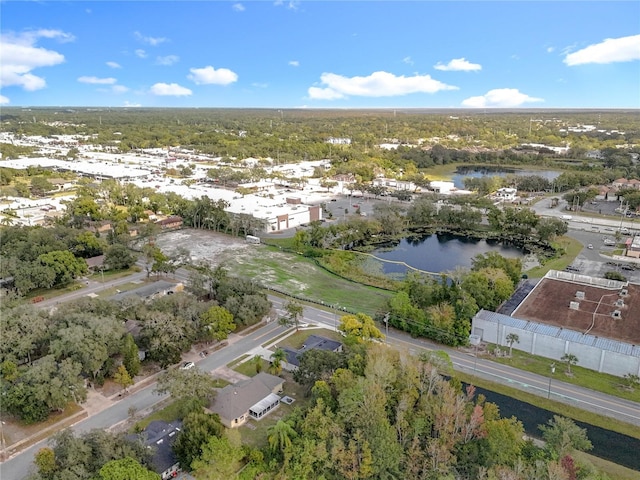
{"type": "Point", "coordinates": [546, 386]}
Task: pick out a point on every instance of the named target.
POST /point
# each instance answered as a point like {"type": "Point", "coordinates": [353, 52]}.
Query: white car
{"type": "Point", "coordinates": [187, 365]}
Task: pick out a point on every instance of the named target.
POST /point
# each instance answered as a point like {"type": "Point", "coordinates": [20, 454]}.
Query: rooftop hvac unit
{"type": "Point", "coordinates": [574, 305]}
{"type": "Point", "coordinates": [624, 292]}
{"type": "Point", "coordinates": [616, 314]}
{"type": "Point", "coordinates": [620, 303]}
{"type": "Point", "coordinates": [580, 295]}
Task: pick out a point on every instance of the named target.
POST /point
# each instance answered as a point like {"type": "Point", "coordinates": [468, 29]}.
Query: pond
{"type": "Point", "coordinates": [477, 172]}
{"type": "Point", "coordinates": [440, 253]}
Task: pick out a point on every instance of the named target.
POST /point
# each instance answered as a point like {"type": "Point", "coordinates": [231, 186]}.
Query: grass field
{"type": "Point", "coordinates": [601, 382]}
{"type": "Point", "coordinates": [571, 247]}
{"type": "Point", "coordinates": [301, 277]}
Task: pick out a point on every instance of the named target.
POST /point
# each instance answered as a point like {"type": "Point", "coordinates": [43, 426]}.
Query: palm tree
{"type": "Point", "coordinates": [277, 358]}
{"type": "Point", "coordinates": [280, 436]}
{"type": "Point", "coordinates": [257, 362]}
{"type": "Point", "coordinates": [511, 339]}
{"type": "Point", "coordinates": [571, 359]}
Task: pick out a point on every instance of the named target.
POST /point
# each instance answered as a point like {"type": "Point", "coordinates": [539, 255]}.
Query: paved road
{"type": "Point", "coordinates": [18, 467]}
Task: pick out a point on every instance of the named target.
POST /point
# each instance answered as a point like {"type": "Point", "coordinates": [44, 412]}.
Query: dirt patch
{"type": "Point", "coordinates": [204, 245]}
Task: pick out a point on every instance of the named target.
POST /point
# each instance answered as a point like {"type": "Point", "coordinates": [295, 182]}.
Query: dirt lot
{"type": "Point", "coordinates": [204, 245]}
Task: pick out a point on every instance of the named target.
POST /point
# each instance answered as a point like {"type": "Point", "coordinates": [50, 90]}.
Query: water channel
{"type": "Point", "coordinates": [439, 253]}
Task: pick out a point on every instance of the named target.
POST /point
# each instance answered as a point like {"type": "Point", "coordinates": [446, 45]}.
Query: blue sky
{"type": "Point", "coordinates": [321, 54]}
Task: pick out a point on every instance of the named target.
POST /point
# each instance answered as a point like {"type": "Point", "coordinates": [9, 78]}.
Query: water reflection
{"type": "Point", "coordinates": [440, 253]}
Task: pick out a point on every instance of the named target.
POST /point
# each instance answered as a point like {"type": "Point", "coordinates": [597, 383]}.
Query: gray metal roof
{"type": "Point", "coordinates": [607, 344]}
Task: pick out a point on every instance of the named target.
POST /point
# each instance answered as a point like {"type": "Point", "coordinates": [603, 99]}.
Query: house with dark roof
{"type": "Point", "coordinates": [160, 436]}
{"type": "Point", "coordinates": [150, 290]}
{"type": "Point", "coordinates": [248, 399]}
{"type": "Point", "coordinates": [313, 342]}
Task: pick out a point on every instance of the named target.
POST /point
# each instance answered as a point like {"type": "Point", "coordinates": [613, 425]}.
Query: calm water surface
{"type": "Point", "coordinates": [439, 253]}
{"type": "Point", "coordinates": [476, 172]}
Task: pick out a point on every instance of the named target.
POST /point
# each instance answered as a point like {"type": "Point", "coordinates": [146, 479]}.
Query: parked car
{"type": "Point", "coordinates": [590, 246]}
{"type": "Point", "coordinates": [626, 267]}
{"type": "Point", "coordinates": [187, 365]}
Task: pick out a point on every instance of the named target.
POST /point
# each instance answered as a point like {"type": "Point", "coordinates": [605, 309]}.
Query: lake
{"type": "Point", "coordinates": [476, 172]}
{"type": "Point", "coordinates": [440, 253]}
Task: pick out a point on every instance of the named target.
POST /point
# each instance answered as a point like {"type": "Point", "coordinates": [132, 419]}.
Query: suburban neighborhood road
{"type": "Point", "coordinates": [18, 466]}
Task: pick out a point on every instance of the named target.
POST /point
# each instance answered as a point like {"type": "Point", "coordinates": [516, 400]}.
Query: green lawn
{"type": "Point", "coordinates": [113, 274]}
{"type": "Point", "coordinates": [47, 293]}
{"type": "Point", "coordinates": [124, 287]}
{"type": "Point", "coordinates": [169, 413]}
{"type": "Point", "coordinates": [301, 277]}
{"type": "Point", "coordinates": [572, 248]}
{"type": "Point", "coordinates": [248, 368]}
{"type": "Point", "coordinates": [583, 377]}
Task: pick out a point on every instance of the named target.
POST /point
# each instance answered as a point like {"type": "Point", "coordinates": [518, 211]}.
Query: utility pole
{"type": "Point", "coordinates": [386, 324]}
{"type": "Point", "coordinates": [553, 370]}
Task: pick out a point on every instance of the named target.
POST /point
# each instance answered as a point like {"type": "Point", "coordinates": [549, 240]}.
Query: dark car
{"type": "Point", "coordinates": [626, 267]}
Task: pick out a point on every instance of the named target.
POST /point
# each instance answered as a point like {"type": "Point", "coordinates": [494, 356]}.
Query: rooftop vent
{"type": "Point", "coordinates": [616, 314]}
{"type": "Point", "coordinates": [624, 292]}
{"type": "Point", "coordinates": [620, 303]}
{"type": "Point", "coordinates": [574, 305]}
{"type": "Point", "coordinates": [580, 295]}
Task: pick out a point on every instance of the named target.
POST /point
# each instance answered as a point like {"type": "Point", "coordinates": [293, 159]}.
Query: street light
{"type": "Point", "coordinates": [386, 323]}
{"type": "Point", "coordinates": [553, 370]}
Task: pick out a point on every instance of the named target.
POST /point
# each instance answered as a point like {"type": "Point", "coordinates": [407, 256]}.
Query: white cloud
{"type": "Point", "coordinates": [238, 7]}
{"type": "Point", "coordinates": [550, 49]}
{"type": "Point", "coordinates": [97, 81]}
{"type": "Point", "coordinates": [458, 65]}
{"type": "Point", "coordinates": [3, 100]}
{"type": "Point", "coordinates": [170, 89]}
{"type": "Point", "coordinates": [500, 98]}
{"type": "Point", "coordinates": [153, 41]}
{"type": "Point", "coordinates": [129, 104]}
{"type": "Point", "coordinates": [113, 65]}
{"type": "Point", "coordinates": [294, 63]}
{"type": "Point", "coordinates": [168, 60]}
{"type": "Point", "coordinates": [140, 53]}
{"type": "Point", "coordinates": [19, 55]}
{"type": "Point", "coordinates": [260, 85]}
{"type": "Point", "coordinates": [407, 60]}
{"type": "Point", "coordinates": [119, 89]}
{"type": "Point", "coordinates": [610, 50]}
{"type": "Point", "coordinates": [378, 84]}
{"type": "Point", "coordinates": [210, 76]}
{"type": "Point", "coordinates": [291, 5]}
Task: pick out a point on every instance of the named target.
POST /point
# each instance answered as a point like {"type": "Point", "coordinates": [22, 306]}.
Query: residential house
{"type": "Point", "coordinates": [95, 264]}
{"type": "Point", "coordinates": [170, 222]}
{"type": "Point", "coordinates": [151, 290]}
{"type": "Point", "coordinates": [160, 436]}
{"type": "Point", "coordinates": [507, 194]}
{"type": "Point", "coordinates": [248, 399]}
{"type": "Point", "coordinates": [624, 184]}
{"type": "Point", "coordinates": [313, 342]}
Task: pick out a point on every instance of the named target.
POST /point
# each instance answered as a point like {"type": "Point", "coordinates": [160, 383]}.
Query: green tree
{"type": "Point", "coordinates": [184, 384]}
{"type": "Point", "coordinates": [570, 359]}
{"type": "Point", "coordinates": [360, 327]}
{"type": "Point", "coordinates": [64, 264]}
{"type": "Point", "coordinates": [280, 436]}
{"type": "Point", "coordinates": [221, 457]}
{"type": "Point", "coordinates": [40, 186]}
{"type": "Point", "coordinates": [512, 338]}
{"type": "Point", "coordinates": [126, 469]}
{"type": "Point", "coordinates": [563, 436]}
{"type": "Point", "coordinates": [257, 363]}
{"type": "Point", "coordinates": [119, 257]}
{"type": "Point", "coordinates": [295, 311]}
{"type": "Point", "coordinates": [130, 357]}
{"type": "Point", "coordinates": [277, 358]}
{"type": "Point", "coordinates": [122, 378]}
{"type": "Point", "coordinates": [216, 324]}
{"type": "Point", "coordinates": [197, 428]}
{"type": "Point", "coordinates": [45, 460]}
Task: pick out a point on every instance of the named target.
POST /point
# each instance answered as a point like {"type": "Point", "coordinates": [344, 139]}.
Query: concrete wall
{"type": "Point", "coordinates": [554, 348]}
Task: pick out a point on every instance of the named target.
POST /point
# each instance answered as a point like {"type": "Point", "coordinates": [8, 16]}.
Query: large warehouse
{"type": "Point", "coordinates": [595, 319]}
